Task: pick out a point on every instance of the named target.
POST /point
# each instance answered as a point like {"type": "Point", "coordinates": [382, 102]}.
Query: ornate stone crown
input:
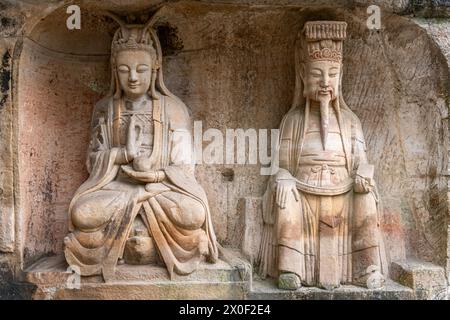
{"type": "Point", "coordinates": [324, 40]}
{"type": "Point", "coordinates": [131, 43]}
{"type": "Point", "coordinates": [133, 37]}
{"type": "Point", "coordinates": [326, 54]}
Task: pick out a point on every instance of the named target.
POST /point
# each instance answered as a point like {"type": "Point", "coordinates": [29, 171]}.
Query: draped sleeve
{"type": "Point", "coordinates": [101, 157]}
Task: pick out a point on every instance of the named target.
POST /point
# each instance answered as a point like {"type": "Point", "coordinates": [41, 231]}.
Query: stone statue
{"type": "Point", "coordinates": [141, 203]}
{"type": "Point", "coordinates": [321, 217]}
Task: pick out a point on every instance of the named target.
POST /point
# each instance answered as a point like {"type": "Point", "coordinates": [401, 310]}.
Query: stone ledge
{"type": "Point", "coordinates": [55, 270]}
{"type": "Point", "coordinates": [145, 291]}
{"type": "Point", "coordinates": [223, 280]}
{"type": "Point", "coordinates": [267, 290]}
{"type": "Point", "coordinates": [426, 279]}
{"type": "Point", "coordinates": [211, 281]}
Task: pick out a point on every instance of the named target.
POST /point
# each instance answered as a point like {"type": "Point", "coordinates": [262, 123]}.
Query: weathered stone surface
{"type": "Point", "coordinates": [268, 290]}
{"type": "Point", "coordinates": [398, 6]}
{"type": "Point", "coordinates": [11, 288]}
{"type": "Point", "coordinates": [419, 190]}
{"type": "Point", "coordinates": [142, 291]}
{"type": "Point", "coordinates": [439, 32]}
{"type": "Point", "coordinates": [447, 269]}
{"type": "Point", "coordinates": [427, 280]}
{"type": "Point", "coordinates": [7, 218]}
{"type": "Point", "coordinates": [11, 19]}
{"type": "Point", "coordinates": [48, 165]}
{"type": "Point", "coordinates": [231, 62]}
{"type": "Point", "coordinates": [247, 233]}
{"type": "Point", "coordinates": [224, 56]}
{"type": "Point", "coordinates": [289, 281]}
{"type": "Point", "coordinates": [430, 8]}
{"type": "Point", "coordinates": [50, 277]}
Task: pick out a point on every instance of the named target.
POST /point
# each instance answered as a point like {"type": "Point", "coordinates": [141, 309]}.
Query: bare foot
{"type": "Point", "coordinates": [289, 281]}
{"type": "Point", "coordinates": [372, 279]}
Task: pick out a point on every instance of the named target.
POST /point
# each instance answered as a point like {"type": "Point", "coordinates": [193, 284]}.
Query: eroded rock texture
{"type": "Point", "coordinates": [232, 63]}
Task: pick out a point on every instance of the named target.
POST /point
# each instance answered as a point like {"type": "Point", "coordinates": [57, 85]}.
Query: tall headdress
{"type": "Point", "coordinates": [324, 40]}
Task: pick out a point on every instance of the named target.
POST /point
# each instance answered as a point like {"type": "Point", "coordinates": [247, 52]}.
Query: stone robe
{"type": "Point", "coordinates": [175, 211]}
{"type": "Point", "coordinates": [331, 235]}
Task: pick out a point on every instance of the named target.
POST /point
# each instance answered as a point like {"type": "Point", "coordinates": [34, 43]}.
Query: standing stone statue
{"type": "Point", "coordinates": [141, 203]}
{"type": "Point", "coordinates": [321, 217]}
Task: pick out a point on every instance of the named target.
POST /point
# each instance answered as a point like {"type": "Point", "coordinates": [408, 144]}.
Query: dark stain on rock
{"type": "Point", "coordinates": [11, 290]}
{"type": "Point", "coordinates": [171, 44]}
{"type": "Point", "coordinates": [5, 78]}
{"type": "Point", "coordinates": [227, 174]}
{"type": "Point", "coordinates": [6, 22]}
{"type": "Point", "coordinates": [429, 8]}
{"type": "Point", "coordinates": [47, 186]}
{"type": "Point", "coordinates": [10, 20]}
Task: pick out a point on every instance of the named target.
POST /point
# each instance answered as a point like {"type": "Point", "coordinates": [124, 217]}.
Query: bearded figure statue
{"type": "Point", "coordinates": [321, 207]}
{"type": "Point", "coordinates": [141, 203]}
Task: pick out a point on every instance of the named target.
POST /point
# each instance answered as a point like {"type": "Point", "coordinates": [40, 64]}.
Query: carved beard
{"type": "Point", "coordinates": [324, 101]}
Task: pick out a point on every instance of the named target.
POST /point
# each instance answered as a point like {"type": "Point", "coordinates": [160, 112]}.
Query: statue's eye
{"type": "Point", "coordinates": [123, 69]}
{"type": "Point", "coordinates": [333, 75]}
{"type": "Point", "coordinates": [315, 74]}
{"type": "Point", "coordinates": [142, 68]}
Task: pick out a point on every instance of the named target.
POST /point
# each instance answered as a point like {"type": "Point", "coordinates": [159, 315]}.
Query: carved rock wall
{"type": "Point", "coordinates": [54, 117]}
{"type": "Point", "coordinates": [233, 66]}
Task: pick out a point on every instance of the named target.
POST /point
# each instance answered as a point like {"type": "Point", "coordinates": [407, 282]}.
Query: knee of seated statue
{"type": "Point", "coordinates": [365, 207]}
{"type": "Point", "coordinates": [189, 213]}
{"type": "Point", "coordinates": [91, 213]}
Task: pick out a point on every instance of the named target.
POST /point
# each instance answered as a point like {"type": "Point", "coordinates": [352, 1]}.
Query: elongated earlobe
{"type": "Point", "coordinates": [153, 84]}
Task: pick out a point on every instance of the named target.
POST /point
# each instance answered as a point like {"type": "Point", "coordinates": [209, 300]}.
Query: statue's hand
{"type": "Point", "coordinates": [284, 189]}
{"type": "Point", "coordinates": [146, 177]}
{"type": "Point", "coordinates": [142, 163]}
{"type": "Point", "coordinates": [133, 138]}
{"type": "Point", "coordinates": [363, 185]}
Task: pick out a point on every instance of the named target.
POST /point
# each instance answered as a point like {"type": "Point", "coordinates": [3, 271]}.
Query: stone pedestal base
{"type": "Point", "coordinates": [428, 281]}
{"type": "Point", "coordinates": [267, 290]}
{"type": "Point", "coordinates": [52, 280]}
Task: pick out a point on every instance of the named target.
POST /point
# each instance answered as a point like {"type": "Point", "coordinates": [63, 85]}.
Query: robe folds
{"type": "Point", "coordinates": [181, 243]}
{"type": "Point", "coordinates": [301, 238]}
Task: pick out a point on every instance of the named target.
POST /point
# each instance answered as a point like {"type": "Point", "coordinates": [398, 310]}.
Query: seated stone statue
{"type": "Point", "coordinates": [321, 217]}
{"type": "Point", "coordinates": [141, 203]}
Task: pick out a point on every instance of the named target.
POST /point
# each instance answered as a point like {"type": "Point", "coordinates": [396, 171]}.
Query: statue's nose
{"type": "Point", "coordinates": [133, 76]}
{"type": "Point", "coordinates": [325, 82]}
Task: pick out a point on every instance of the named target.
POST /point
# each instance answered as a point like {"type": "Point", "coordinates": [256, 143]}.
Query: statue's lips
{"type": "Point", "coordinates": [324, 92]}
{"type": "Point", "coordinates": [133, 86]}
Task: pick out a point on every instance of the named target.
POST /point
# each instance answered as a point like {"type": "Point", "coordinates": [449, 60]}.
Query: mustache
{"type": "Point", "coordinates": [320, 91]}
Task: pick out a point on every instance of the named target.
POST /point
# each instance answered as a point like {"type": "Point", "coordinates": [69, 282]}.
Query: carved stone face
{"type": "Point", "coordinates": [134, 70]}
{"type": "Point", "coordinates": [321, 79]}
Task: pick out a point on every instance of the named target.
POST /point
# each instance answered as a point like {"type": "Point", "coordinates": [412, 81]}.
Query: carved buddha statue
{"type": "Point", "coordinates": [141, 203]}
{"type": "Point", "coordinates": [321, 217]}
